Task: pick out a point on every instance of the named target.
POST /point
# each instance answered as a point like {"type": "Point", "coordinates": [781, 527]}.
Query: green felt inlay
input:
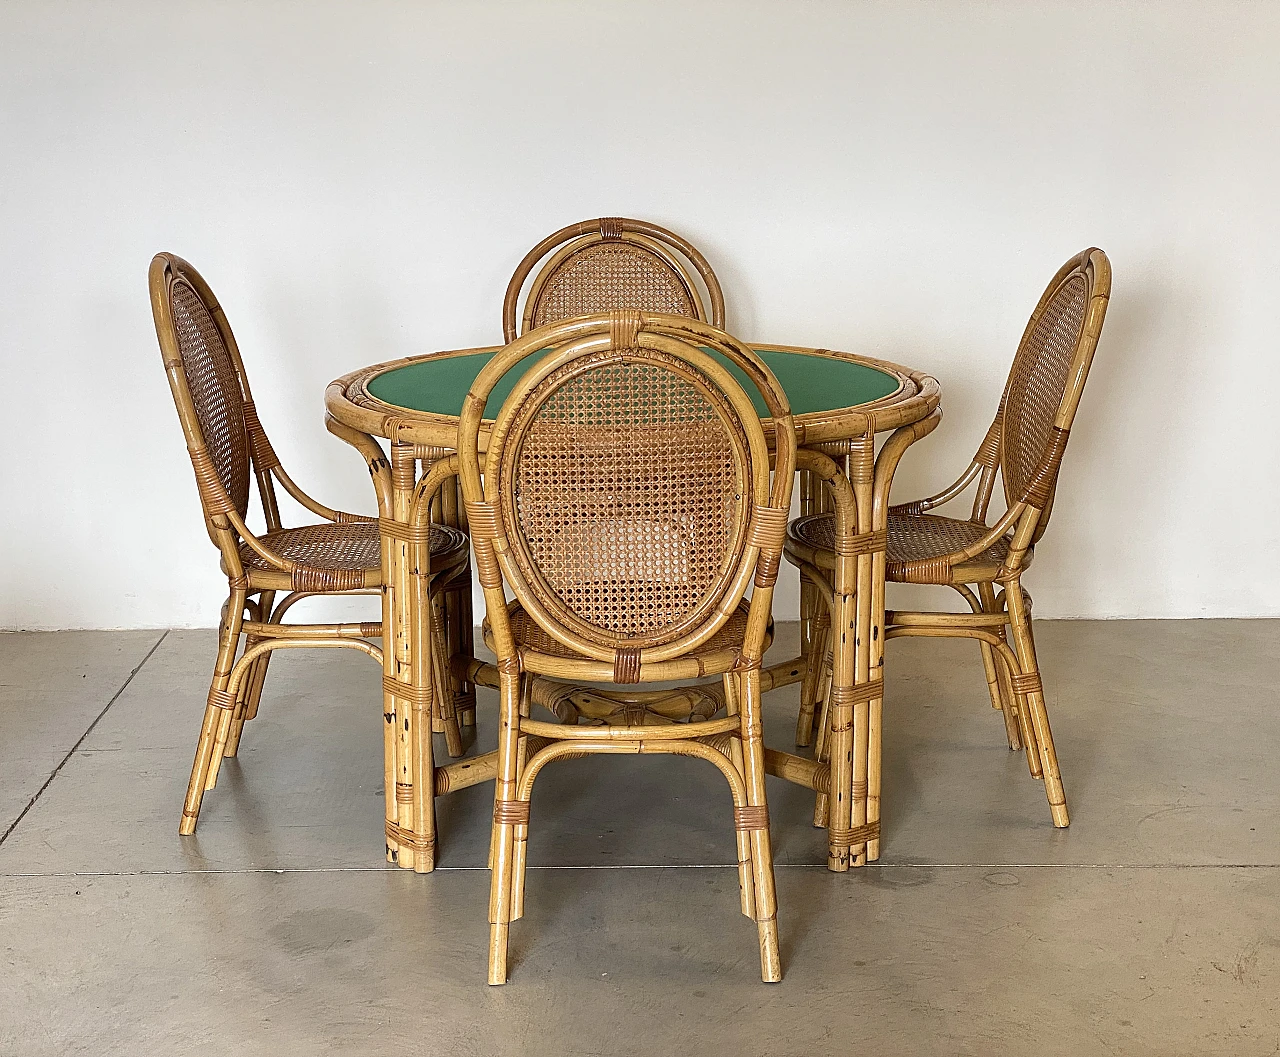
{"type": "Point", "coordinates": [811, 382]}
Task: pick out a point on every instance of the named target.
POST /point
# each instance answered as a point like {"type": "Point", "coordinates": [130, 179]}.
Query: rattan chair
{"type": "Point", "coordinates": [627, 505]}
{"type": "Point", "coordinates": [228, 449]}
{"type": "Point", "coordinates": [607, 264]}
{"type": "Point", "coordinates": [983, 560]}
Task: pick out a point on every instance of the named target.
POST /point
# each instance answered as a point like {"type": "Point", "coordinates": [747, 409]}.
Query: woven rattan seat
{"type": "Point", "coordinates": [914, 541]}
{"type": "Point", "coordinates": [355, 547]}
{"type": "Point", "coordinates": [529, 635]}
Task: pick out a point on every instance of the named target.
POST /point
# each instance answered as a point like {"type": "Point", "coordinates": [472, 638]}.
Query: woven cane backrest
{"type": "Point", "coordinates": [626, 478]}
{"type": "Point", "coordinates": [207, 381]}
{"type": "Point", "coordinates": [623, 493]}
{"type": "Point", "coordinates": [215, 391]}
{"type": "Point", "coordinates": [607, 264]}
{"type": "Point", "coordinates": [1044, 383]}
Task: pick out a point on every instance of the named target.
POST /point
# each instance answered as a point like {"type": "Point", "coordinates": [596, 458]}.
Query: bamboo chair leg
{"type": "Point", "coordinates": [998, 685]}
{"type": "Point", "coordinates": [522, 828]}
{"type": "Point", "coordinates": [766, 900]}
{"type": "Point", "coordinates": [461, 636]}
{"type": "Point", "coordinates": [746, 886]}
{"type": "Point", "coordinates": [503, 828]}
{"type": "Point", "coordinates": [228, 643]}
{"type": "Point", "coordinates": [445, 701]}
{"type": "Point", "coordinates": [247, 706]}
{"type": "Point", "coordinates": [1024, 647]}
{"type": "Point", "coordinates": [813, 675]}
{"type": "Point", "coordinates": [1022, 716]}
{"type": "Point", "coordinates": [822, 744]}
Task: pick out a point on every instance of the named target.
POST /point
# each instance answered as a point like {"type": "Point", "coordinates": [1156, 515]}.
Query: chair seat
{"type": "Point", "coordinates": [913, 541]}
{"type": "Point", "coordinates": [529, 635]}
{"type": "Point", "coordinates": [341, 556]}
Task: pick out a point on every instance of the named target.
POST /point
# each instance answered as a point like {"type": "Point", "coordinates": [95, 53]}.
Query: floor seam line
{"type": "Point", "coordinates": [80, 741]}
{"type": "Point", "coordinates": [681, 866]}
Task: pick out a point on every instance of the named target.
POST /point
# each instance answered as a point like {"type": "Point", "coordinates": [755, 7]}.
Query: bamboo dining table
{"type": "Point", "coordinates": [840, 402]}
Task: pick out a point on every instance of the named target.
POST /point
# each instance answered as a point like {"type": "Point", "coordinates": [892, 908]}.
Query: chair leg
{"type": "Point", "coordinates": [766, 900]}
{"type": "Point", "coordinates": [822, 742]}
{"type": "Point", "coordinates": [219, 704]}
{"type": "Point", "coordinates": [521, 828]}
{"type": "Point", "coordinates": [461, 635]}
{"type": "Point", "coordinates": [445, 700]}
{"type": "Point", "coordinates": [812, 683]}
{"type": "Point", "coordinates": [1028, 683]}
{"type": "Point", "coordinates": [746, 887]}
{"type": "Point", "coordinates": [247, 706]}
{"type": "Point", "coordinates": [504, 826]}
{"type": "Point", "coordinates": [997, 678]}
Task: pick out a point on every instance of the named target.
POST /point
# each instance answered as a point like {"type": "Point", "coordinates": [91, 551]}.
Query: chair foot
{"type": "Point", "coordinates": [770, 961]}
{"type": "Point", "coordinates": [498, 953]}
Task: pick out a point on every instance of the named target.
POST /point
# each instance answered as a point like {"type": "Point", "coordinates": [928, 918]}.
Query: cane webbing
{"type": "Point", "coordinates": [1037, 383]}
{"type": "Point", "coordinates": [623, 497]}
{"type": "Point", "coordinates": [215, 391]}
{"type": "Point", "coordinates": [604, 276]}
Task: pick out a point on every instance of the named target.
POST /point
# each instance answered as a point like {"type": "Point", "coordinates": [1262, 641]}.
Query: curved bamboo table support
{"type": "Point", "coordinates": [840, 403]}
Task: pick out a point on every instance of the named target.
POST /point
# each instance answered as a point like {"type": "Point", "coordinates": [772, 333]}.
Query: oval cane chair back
{"type": "Point", "coordinates": [207, 378]}
{"type": "Point", "coordinates": [1046, 380]}
{"type": "Point", "coordinates": [626, 490]}
{"type": "Point", "coordinates": [609, 264]}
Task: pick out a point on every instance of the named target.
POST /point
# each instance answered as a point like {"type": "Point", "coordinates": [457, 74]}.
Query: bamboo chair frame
{"type": "Point", "coordinates": [590, 652]}
{"type": "Point", "coordinates": [660, 253]}
{"type": "Point", "coordinates": [257, 565]}
{"type": "Point", "coordinates": [987, 569]}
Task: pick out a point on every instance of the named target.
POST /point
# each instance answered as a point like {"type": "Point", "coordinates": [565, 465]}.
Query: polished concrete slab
{"type": "Point", "coordinates": [1152, 925]}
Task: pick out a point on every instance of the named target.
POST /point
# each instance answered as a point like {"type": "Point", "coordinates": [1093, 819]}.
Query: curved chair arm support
{"type": "Point", "coordinates": [426, 488]}
{"type": "Point", "coordinates": [375, 458]}
{"type": "Point", "coordinates": [829, 472]}
{"type": "Point", "coordinates": [895, 448]}
{"type": "Point", "coordinates": [314, 505]}
{"type": "Point", "coordinates": [256, 545]}
{"type": "Point", "coordinates": [919, 506]}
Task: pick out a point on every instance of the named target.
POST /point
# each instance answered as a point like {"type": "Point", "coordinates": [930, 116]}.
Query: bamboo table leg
{"type": "Point", "coordinates": [406, 845]}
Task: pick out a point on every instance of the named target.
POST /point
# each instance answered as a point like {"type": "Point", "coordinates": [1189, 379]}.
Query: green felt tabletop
{"type": "Point", "coordinates": [812, 382]}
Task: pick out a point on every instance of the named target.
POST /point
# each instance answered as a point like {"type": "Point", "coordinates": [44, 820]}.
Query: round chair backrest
{"type": "Point", "coordinates": [204, 371]}
{"type": "Point", "coordinates": [1047, 378]}
{"type": "Point", "coordinates": [628, 473]}
{"type": "Point", "coordinates": [609, 264]}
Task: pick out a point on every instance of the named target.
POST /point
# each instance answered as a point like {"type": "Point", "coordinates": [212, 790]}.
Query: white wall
{"type": "Point", "coordinates": [357, 182]}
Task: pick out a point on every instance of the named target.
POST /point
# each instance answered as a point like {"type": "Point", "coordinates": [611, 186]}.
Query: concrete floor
{"type": "Point", "coordinates": [1151, 926]}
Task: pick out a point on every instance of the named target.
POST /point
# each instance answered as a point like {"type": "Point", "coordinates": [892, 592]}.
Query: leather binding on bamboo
{"type": "Point", "coordinates": [629, 476]}
{"type": "Point", "coordinates": [230, 452]}
{"type": "Point", "coordinates": [981, 558]}
{"type": "Point", "coordinates": [608, 264]}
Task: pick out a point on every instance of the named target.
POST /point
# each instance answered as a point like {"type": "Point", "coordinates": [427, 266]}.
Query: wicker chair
{"type": "Point", "coordinates": [627, 505]}
{"type": "Point", "coordinates": [607, 264]}
{"type": "Point", "coordinates": [984, 562]}
{"type": "Point", "coordinates": [228, 447]}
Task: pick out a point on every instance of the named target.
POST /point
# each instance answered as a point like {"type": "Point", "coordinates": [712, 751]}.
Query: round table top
{"type": "Point", "coordinates": [833, 395]}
